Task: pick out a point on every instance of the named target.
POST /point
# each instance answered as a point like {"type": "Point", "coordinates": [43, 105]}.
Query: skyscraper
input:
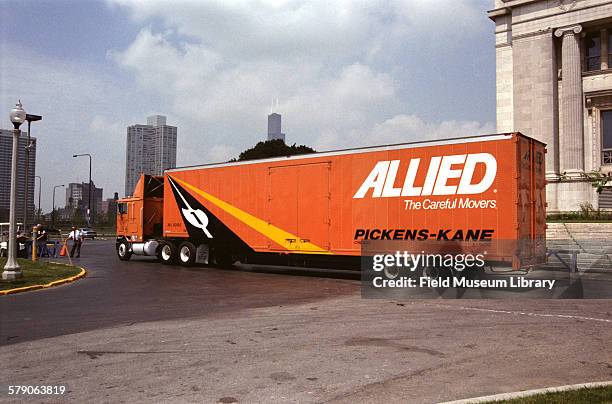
{"type": "Point", "coordinates": [156, 120]}
{"type": "Point", "coordinates": [274, 127]}
{"type": "Point", "coordinates": [77, 197]}
{"type": "Point", "coordinates": [6, 155]}
{"type": "Point", "coordinates": [151, 149]}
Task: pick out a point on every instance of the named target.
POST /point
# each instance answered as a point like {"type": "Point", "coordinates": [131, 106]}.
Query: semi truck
{"type": "Point", "coordinates": [325, 206]}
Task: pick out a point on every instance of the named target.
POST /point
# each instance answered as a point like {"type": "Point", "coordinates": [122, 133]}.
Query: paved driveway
{"type": "Point", "coordinates": [141, 332]}
{"type": "Point", "coordinates": [116, 292]}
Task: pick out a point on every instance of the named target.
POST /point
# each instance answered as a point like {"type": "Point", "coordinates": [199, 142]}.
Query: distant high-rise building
{"type": "Point", "coordinates": [109, 204]}
{"type": "Point", "coordinates": [151, 149]}
{"type": "Point", "coordinates": [6, 155]}
{"type": "Point", "coordinates": [156, 120]}
{"type": "Point", "coordinates": [274, 127]}
{"type": "Point", "coordinates": [77, 197]}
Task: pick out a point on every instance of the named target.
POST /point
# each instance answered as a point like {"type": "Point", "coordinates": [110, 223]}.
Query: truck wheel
{"type": "Point", "coordinates": [186, 253]}
{"type": "Point", "coordinates": [123, 251]}
{"type": "Point", "coordinates": [167, 253]}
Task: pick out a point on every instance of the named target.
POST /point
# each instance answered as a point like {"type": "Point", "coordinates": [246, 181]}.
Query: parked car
{"type": "Point", "coordinates": [4, 231]}
{"type": "Point", "coordinates": [52, 231]}
{"type": "Point", "coordinates": [88, 232]}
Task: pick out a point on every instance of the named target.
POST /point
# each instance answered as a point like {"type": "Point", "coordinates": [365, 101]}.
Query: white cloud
{"type": "Point", "coordinates": [84, 111]}
{"type": "Point", "coordinates": [346, 73]}
{"type": "Point", "coordinates": [402, 128]}
{"type": "Point", "coordinates": [342, 70]}
{"type": "Point", "coordinates": [221, 152]}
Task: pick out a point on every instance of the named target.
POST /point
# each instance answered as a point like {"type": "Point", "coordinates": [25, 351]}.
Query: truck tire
{"type": "Point", "coordinates": [186, 253]}
{"type": "Point", "coordinates": [123, 251]}
{"type": "Point", "coordinates": [167, 253]}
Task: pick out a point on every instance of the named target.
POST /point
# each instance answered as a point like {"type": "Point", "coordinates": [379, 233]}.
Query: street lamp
{"type": "Point", "coordinates": [89, 211]}
{"type": "Point", "coordinates": [11, 269]}
{"type": "Point", "coordinates": [38, 210]}
{"type": "Point", "coordinates": [30, 118]}
{"type": "Point", "coordinates": [53, 213]}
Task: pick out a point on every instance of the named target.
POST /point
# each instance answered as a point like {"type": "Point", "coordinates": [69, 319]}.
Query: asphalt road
{"type": "Point", "coordinates": [116, 292]}
{"type": "Point", "coordinates": [141, 332]}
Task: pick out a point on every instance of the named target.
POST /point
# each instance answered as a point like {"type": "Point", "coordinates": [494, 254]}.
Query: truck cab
{"type": "Point", "coordinates": [140, 218]}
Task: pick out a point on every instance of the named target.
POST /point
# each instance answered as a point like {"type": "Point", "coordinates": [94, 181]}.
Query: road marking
{"type": "Point", "coordinates": [525, 313]}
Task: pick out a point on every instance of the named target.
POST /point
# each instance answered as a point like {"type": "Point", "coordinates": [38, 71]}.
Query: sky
{"type": "Point", "coordinates": [345, 73]}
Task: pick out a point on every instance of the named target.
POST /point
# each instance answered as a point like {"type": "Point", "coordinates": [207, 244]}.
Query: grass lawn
{"type": "Point", "coordinates": [596, 395]}
{"type": "Point", "coordinates": [38, 273]}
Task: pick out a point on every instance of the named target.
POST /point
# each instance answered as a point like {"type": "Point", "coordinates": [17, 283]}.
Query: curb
{"type": "Point", "coordinates": [47, 285]}
{"type": "Point", "coordinates": [527, 393]}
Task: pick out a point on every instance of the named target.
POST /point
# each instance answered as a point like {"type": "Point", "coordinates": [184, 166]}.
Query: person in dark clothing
{"type": "Point", "coordinates": [22, 239]}
{"type": "Point", "coordinates": [77, 238]}
{"type": "Point", "coordinates": [41, 241]}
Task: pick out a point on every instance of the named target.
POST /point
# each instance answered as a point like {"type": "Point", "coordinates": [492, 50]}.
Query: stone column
{"type": "Point", "coordinates": [572, 140]}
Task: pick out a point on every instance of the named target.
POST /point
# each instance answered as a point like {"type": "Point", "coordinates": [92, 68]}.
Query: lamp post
{"type": "Point", "coordinates": [89, 211]}
{"type": "Point", "coordinates": [53, 213]}
{"type": "Point", "coordinates": [11, 269]}
{"type": "Point", "coordinates": [30, 118]}
{"type": "Point", "coordinates": [38, 210]}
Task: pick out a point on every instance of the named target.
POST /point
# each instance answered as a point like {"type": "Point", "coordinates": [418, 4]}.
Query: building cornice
{"type": "Point", "coordinates": [508, 4]}
{"type": "Point", "coordinates": [498, 12]}
{"type": "Point", "coordinates": [526, 35]}
{"type": "Point", "coordinates": [514, 3]}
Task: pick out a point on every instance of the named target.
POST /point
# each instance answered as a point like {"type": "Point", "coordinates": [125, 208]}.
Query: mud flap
{"type": "Point", "coordinates": [202, 254]}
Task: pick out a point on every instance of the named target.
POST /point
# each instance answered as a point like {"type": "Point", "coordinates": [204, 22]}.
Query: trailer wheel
{"type": "Point", "coordinates": [186, 253]}
{"type": "Point", "coordinates": [167, 253]}
{"type": "Point", "coordinates": [123, 251]}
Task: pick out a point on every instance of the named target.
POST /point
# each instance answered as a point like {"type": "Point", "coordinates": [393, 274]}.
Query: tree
{"type": "Point", "coordinates": [598, 180]}
{"type": "Point", "coordinates": [273, 148]}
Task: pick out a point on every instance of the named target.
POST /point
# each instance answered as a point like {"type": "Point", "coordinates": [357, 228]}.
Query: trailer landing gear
{"type": "Point", "coordinates": [224, 259]}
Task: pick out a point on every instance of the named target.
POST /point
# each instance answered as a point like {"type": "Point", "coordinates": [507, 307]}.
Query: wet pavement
{"type": "Point", "coordinates": [118, 293]}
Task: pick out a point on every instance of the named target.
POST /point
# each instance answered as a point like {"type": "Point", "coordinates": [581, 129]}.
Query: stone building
{"type": "Point", "coordinates": [554, 83]}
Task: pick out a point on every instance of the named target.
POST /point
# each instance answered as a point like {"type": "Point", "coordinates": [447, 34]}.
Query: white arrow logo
{"type": "Point", "coordinates": [196, 217]}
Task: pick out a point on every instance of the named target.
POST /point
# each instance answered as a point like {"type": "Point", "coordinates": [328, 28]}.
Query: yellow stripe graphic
{"type": "Point", "coordinates": [279, 236]}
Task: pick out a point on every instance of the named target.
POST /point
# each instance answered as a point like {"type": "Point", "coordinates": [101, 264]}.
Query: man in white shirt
{"type": "Point", "coordinates": [77, 238]}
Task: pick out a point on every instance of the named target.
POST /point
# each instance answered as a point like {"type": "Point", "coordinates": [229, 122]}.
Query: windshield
{"type": "Point", "coordinates": [121, 208]}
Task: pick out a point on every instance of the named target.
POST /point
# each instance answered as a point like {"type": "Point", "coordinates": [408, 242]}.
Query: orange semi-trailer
{"type": "Point", "coordinates": [481, 188]}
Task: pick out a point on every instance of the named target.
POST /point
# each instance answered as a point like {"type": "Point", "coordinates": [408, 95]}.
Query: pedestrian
{"type": "Point", "coordinates": [77, 238]}
{"type": "Point", "coordinates": [41, 240]}
{"type": "Point", "coordinates": [22, 239]}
